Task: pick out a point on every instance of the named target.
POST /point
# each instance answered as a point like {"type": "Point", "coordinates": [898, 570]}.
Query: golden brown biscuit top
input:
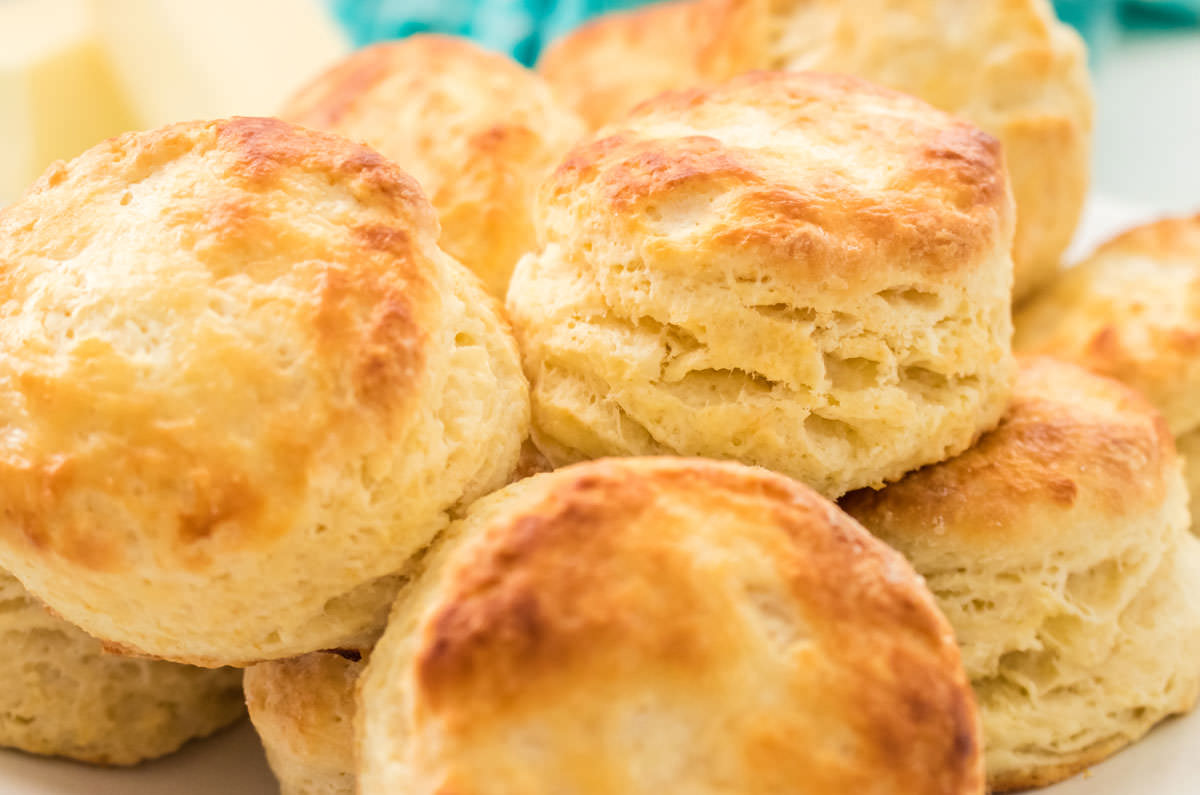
{"type": "Point", "coordinates": [1071, 444]}
{"type": "Point", "coordinates": [191, 319]}
{"type": "Point", "coordinates": [479, 132]}
{"type": "Point", "coordinates": [904, 45]}
{"type": "Point", "coordinates": [440, 106]}
{"type": "Point", "coordinates": [658, 47]}
{"type": "Point", "coordinates": [818, 175]}
{"type": "Point", "coordinates": [1131, 311]}
{"type": "Point", "coordinates": [1167, 239]}
{"type": "Point", "coordinates": [737, 595]}
{"type": "Point", "coordinates": [1005, 53]}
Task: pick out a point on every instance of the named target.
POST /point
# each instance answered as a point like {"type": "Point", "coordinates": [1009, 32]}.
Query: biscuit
{"type": "Point", "coordinates": [477, 130]}
{"type": "Point", "coordinates": [1008, 66]}
{"type": "Point", "coordinates": [654, 625]}
{"type": "Point", "coordinates": [303, 709]}
{"type": "Point", "coordinates": [1058, 549]}
{"type": "Point", "coordinates": [614, 61]}
{"type": "Point", "coordinates": [1131, 311]}
{"type": "Point", "coordinates": [64, 696]}
{"type": "Point", "coordinates": [798, 271]}
{"type": "Point", "coordinates": [241, 388]}
{"type": "Point", "coordinates": [1189, 451]}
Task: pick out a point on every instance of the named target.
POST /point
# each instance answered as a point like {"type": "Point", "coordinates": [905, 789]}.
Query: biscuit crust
{"type": "Point", "coordinates": [1008, 66]}
{"type": "Point", "coordinates": [803, 272]}
{"type": "Point", "coordinates": [241, 388]}
{"type": "Point", "coordinates": [303, 709]}
{"type": "Point", "coordinates": [622, 625]}
{"type": "Point", "coordinates": [63, 695]}
{"type": "Point", "coordinates": [612, 62]}
{"type": "Point", "coordinates": [478, 131]}
{"type": "Point", "coordinates": [1058, 548]}
{"type": "Point", "coordinates": [1189, 451]}
{"type": "Point", "coordinates": [1130, 311]}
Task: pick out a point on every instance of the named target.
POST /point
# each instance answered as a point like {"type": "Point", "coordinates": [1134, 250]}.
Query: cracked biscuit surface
{"type": "Point", "coordinates": [241, 387]}
{"type": "Point", "coordinates": [1058, 548]}
{"type": "Point", "coordinates": [798, 271]}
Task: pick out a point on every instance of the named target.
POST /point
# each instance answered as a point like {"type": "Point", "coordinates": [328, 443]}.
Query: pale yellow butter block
{"type": "Point", "coordinates": [57, 92]}
{"type": "Point", "coordinates": [183, 59]}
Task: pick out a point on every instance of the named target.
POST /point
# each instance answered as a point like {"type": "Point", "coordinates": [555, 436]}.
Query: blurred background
{"type": "Point", "coordinates": [75, 71]}
{"type": "Point", "coordinates": [1146, 66]}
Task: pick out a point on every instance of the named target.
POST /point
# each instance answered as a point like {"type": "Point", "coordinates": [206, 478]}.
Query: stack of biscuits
{"type": "Point", "coordinates": [663, 431]}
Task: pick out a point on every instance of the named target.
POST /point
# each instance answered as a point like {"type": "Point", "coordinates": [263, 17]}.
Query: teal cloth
{"type": "Point", "coordinates": [519, 27]}
{"type": "Point", "coordinates": [523, 27]}
{"type": "Point", "coordinates": [1161, 14]}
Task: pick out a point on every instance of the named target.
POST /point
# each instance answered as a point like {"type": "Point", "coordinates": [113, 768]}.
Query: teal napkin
{"type": "Point", "coordinates": [1160, 14]}
{"type": "Point", "coordinates": [523, 27]}
{"type": "Point", "coordinates": [519, 27]}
